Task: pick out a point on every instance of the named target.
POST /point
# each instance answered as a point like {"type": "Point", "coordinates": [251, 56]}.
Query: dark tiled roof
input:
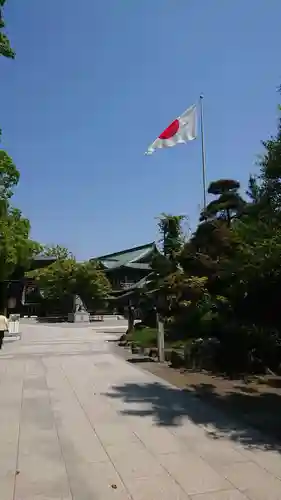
{"type": "Point", "coordinates": [44, 258]}
{"type": "Point", "coordinates": [40, 261]}
{"type": "Point", "coordinates": [131, 257]}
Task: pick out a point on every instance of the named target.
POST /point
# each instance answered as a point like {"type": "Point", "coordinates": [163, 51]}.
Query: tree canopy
{"type": "Point", "coordinates": [228, 203]}
{"type": "Point", "coordinates": [66, 277]}
{"type": "Point", "coordinates": [16, 247]}
{"type": "Point", "coordinates": [224, 282]}
{"type": "Point", "coordinates": [58, 251]}
{"type": "Point", "coordinates": [5, 47]}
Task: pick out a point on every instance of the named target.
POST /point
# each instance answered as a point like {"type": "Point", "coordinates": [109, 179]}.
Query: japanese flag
{"type": "Point", "coordinates": [181, 130]}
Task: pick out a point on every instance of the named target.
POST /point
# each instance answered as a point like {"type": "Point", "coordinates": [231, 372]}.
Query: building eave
{"type": "Point", "coordinates": [125, 258]}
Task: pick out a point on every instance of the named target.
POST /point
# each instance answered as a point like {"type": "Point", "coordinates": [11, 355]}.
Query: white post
{"type": "Point", "coordinates": [160, 339]}
{"type": "Point", "coordinates": [203, 152]}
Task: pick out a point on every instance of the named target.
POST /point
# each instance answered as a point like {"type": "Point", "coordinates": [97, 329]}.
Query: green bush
{"type": "Point", "coordinates": [144, 337]}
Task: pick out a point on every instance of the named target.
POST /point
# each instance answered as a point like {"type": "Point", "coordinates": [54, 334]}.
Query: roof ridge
{"type": "Point", "coordinates": [127, 250]}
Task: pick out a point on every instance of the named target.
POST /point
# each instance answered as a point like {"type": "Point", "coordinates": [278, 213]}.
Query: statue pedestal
{"type": "Point", "coordinates": [79, 317]}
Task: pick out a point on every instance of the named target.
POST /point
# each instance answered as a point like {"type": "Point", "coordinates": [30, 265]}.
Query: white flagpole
{"type": "Point", "coordinates": [203, 152]}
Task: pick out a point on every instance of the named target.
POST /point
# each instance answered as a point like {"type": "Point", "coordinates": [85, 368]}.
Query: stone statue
{"type": "Point", "coordinates": [78, 304]}
{"type": "Point", "coordinates": [79, 312]}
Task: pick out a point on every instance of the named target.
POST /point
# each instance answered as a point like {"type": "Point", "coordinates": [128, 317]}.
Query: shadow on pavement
{"type": "Point", "coordinates": [171, 406]}
{"type": "Point", "coordinates": [140, 359]}
{"type": "Point", "coordinates": [52, 319]}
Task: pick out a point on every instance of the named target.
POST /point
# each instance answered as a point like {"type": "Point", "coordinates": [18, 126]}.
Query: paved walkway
{"type": "Point", "coordinates": [77, 422]}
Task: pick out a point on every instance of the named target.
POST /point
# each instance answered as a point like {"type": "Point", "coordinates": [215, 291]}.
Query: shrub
{"type": "Point", "coordinates": [144, 337]}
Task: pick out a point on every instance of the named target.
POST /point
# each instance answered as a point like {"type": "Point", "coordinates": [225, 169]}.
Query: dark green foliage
{"type": "Point", "coordinates": [16, 248]}
{"type": "Point", "coordinates": [228, 203]}
{"type": "Point", "coordinates": [67, 277]}
{"type": "Point", "coordinates": [9, 176]}
{"type": "Point", "coordinates": [224, 282]}
{"type": "Point", "coordinates": [5, 47]}
{"type": "Point", "coordinates": [57, 251]}
{"type": "Point", "coordinates": [223, 186]}
{"type": "Point", "coordinates": [170, 227]}
{"type": "Point", "coordinates": [143, 337]}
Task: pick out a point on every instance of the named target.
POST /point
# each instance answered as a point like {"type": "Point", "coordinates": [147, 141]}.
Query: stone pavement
{"type": "Point", "coordinates": [78, 422]}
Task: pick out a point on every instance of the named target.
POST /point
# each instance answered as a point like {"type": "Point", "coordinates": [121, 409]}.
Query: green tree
{"type": "Point", "coordinates": [92, 282]}
{"type": "Point", "coordinates": [255, 269]}
{"type": "Point", "coordinates": [228, 203]}
{"type": "Point", "coordinates": [171, 234]}
{"type": "Point", "coordinates": [9, 176]}
{"type": "Point", "coordinates": [171, 240]}
{"type": "Point", "coordinates": [67, 277]}
{"type": "Point", "coordinates": [58, 251]}
{"type": "Point", "coordinates": [269, 202]}
{"type": "Point", "coordinates": [16, 247]}
{"type": "Point", "coordinates": [225, 280]}
{"type": "Point", "coordinates": [5, 47]}
{"type": "Point", "coordinates": [254, 191]}
{"type": "Point", "coordinates": [209, 247]}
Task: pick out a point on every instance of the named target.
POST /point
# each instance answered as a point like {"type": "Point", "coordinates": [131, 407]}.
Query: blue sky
{"type": "Point", "coordinates": [95, 82]}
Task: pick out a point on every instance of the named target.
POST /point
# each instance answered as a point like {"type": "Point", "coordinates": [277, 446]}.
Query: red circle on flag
{"type": "Point", "coordinates": [171, 130]}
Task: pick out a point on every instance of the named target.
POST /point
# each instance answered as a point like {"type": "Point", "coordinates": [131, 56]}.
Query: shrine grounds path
{"type": "Point", "coordinates": [77, 422]}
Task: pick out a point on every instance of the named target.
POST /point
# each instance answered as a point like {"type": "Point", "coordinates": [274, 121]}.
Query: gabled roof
{"type": "Point", "coordinates": [40, 261]}
{"type": "Point", "coordinates": [131, 257]}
